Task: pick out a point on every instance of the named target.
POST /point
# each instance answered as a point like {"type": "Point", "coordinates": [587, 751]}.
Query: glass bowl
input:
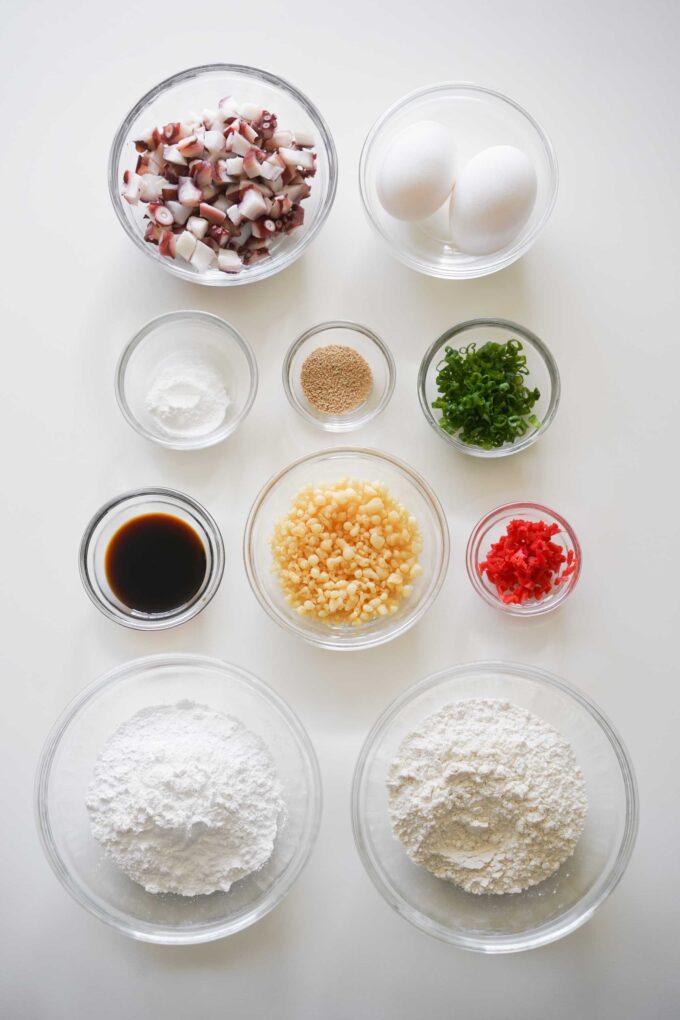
{"type": "Point", "coordinates": [65, 771]}
{"type": "Point", "coordinates": [196, 89]}
{"type": "Point", "coordinates": [492, 527]}
{"type": "Point", "coordinates": [274, 501]}
{"type": "Point", "coordinates": [368, 345]}
{"type": "Point", "coordinates": [200, 337]}
{"type": "Point", "coordinates": [477, 118]}
{"type": "Point", "coordinates": [546, 912]}
{"type": "Point", "coordinates": [112, 516]}
{"type": "Point", "coordinates": [543, 373]}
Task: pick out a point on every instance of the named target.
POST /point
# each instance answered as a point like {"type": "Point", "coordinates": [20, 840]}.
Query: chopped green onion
{"type": "Point", "coordinates": [483, 396]}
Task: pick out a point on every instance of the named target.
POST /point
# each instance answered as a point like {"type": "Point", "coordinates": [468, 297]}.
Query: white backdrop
{"type": "Point", "coordinates": [600, 287]}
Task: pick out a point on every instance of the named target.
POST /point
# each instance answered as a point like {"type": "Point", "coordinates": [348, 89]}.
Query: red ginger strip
{"type": "Point", "coordinates": [524, 564]}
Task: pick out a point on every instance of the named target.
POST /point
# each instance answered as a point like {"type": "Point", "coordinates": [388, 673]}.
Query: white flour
{"type": "Point", "coordinates": [487, 795]}
{"type": "Point", "coordinates": [187, 398]}
{"type": "Point", "coordinates": [185, 799]}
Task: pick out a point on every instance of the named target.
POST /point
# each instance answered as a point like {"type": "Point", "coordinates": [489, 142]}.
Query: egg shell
{"type": "Point", "coordinates": [492, 200]}
{"type": "Point", "coordinates": [418, 171]}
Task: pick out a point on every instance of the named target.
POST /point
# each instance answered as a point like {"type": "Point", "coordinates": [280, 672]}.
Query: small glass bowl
{"type": "Point", "coordinates": [65, 771]}
{"type": "Point", "coordinates": [112, 516]}
{"type": "Point", "coordinates": [202, 337]}
{"type": "Point", "coordinates": [492, 527]}
{"type": "Point", "coordinates": [477, 118]}
{"type": "Point", "coordinates": [274, 501]}
{"type": "Point", "coordinates": [196, 89]}
{"type": "Point", "coordinates": [543, 373]}
{"type": "Point", "coordinates": [364, 342]}
{"type": "Point", "coordinates": [545, 912]}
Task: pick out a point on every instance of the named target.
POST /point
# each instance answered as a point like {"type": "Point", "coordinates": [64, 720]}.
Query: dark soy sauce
{"type": "Point", "coordinates": [155, 563]}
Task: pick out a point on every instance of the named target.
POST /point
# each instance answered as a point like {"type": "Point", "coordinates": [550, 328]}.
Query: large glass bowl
{"type": "Point", "coordinates": [196, 89]}
{"type": "Point", "coordinates": [477, 118]}
{"type": "Point", "coordinates": [65, 771]}
{"type": "Point", "coordinates": [543, 373]}
{"type": "Point", "coordinates": [274, 501]}
{"type": "Point", "coordinates": [548, 911]}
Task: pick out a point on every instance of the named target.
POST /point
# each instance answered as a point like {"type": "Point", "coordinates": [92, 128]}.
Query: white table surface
{"type": "Point", "coordinates": [600, 286]}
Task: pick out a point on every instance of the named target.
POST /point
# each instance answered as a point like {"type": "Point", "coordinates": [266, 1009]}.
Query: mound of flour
{"type": "Point", "coordinates": [487, 795]}
{"type": "Point", "coordinates": [185, 799]}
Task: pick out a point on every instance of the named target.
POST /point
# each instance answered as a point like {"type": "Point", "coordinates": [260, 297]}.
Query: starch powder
{"type": "Point", "coordinates": [185, 800]}
{"type": "Point", "coordinates": [488, 796]}
{"type": "Point", "coordinates": [187, 397]}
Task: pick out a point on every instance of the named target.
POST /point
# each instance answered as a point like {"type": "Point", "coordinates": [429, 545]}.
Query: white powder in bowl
{"type": "Point", "coordinates": [187, 397]}
{"type": "Point", "coordinates": [185, 800]}
{"type": "Point", "coordinates": [488, 796]}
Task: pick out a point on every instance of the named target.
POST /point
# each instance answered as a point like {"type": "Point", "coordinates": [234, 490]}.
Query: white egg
{"type": "Point", "coordinates": [418, 171]}
{"type": "Point", "coordinates": [493, 198]}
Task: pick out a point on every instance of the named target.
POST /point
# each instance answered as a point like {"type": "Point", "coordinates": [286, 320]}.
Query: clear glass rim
{"type": "Point", "coordinates": [161, 621]}
{"type": "Point", "coordinates": [267, 267]}
{"type": "Point", "coordinates": [557, 928]}
{"type": "Point", "coordinates": [185, 315]}
{"type": "Point", "coordinates": [464, 272]}
{"type": "Point", "coordinates": [375, 637]}
{"type": "Point", "coordinates": [534, 341]}
{"type": "Point", "coordinates": [167, 935]}
{"type": "Point", "coordinates": [472, 560]}
{"type": "Point", "coordinates": [337, 425]}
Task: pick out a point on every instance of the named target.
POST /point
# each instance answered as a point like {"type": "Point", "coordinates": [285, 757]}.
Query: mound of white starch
{"type": "Point", "coordinates": [187, 397]}
{"type": "Point", "coordinates": [185, 799]}
{"type": "Point", "coordinates": [488, 796]}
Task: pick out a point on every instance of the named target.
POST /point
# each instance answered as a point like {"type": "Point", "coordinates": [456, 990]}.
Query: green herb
{"type": "Point", "coordinates": [483, 396]}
